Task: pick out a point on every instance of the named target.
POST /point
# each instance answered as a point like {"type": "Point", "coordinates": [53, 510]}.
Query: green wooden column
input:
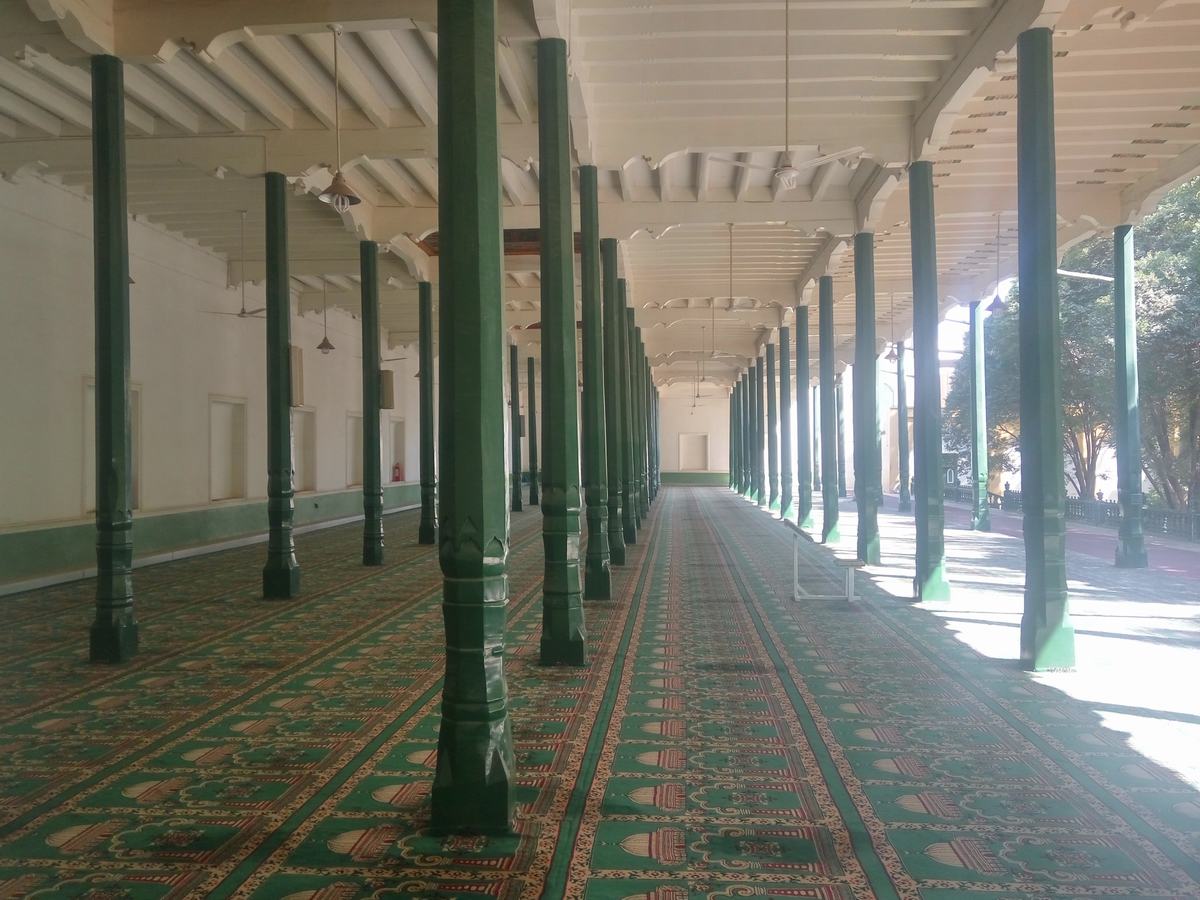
{"type": "Point", "coordinates": [785, 422]}
{"type": "Point", "coordinates": [281, 574]}
{"type": "Point", "coordinates": [628, 446]}
{"type": "Point", "coordinates": [980, 518]}
{"type": "Point", "coordinates": [368, 257]}
{"type": "Point", "coordinates": [532, 429]}
{"type": "Point", "coordinates": [114, 632]}
{"type": "Point", "coordinates": [760, 432]}
{"type": "Point", "coordinates": [1131, 541]}
{"type": "Point", "coordinates": [597, 578]}
{"type": "Point", "coordinates": [772, 430]}
{"type": "Point", "coordinates": [1047, 636]}
{"type": "Point", "coordinates": [733, 416]}
{"type": "Point", "coordinates": [818, 482]}
{"type": "Point", "coordinates": [612, 402]}
{"type": "Point", "coordinates": [515, 491]}
{"type": "Point", "coordinates": [427, 529]}
{"type": "Point", "coordinates": [830, 531]}
{"type": "Point", "coordinates": [652, 448]}
{"type": "Point", "coordinates": [839, 396]}
{"type": "Point", "coordinates": [902, 423]}
{"type": "Point", "coordinates": [868, 455]}
{"type": "Point", "coordinates": [635, 416]}
{"type": "Point", "coordinates": [473, 788]}
{"type": "Point", "coordinates": [749, 420]}
{"type": "Point", "coordinates": [564, 638]}
{"type": "Point", "coordinates": [804, 429]}
{"type": "Point", "coordinates": [639, 376]}
{"type": "Point", "coordinates": [930, 581]}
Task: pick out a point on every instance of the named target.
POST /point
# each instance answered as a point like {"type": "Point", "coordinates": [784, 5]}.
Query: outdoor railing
{"type": "Point", "coordinates": [1182, 524]}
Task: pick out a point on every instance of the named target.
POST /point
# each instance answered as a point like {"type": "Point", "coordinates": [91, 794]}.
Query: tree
{"type": "Point", "coordinates": [1167, 247]}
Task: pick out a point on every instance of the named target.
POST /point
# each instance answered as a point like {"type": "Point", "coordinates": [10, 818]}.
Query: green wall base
{"type": "Point", "coordinates": [696, 478]}
{"type": "Point", "coordinates": [67, 552]}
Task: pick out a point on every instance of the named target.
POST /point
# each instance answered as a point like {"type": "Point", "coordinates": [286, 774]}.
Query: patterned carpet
{"type": "Point", "coordinates": [725, 742]}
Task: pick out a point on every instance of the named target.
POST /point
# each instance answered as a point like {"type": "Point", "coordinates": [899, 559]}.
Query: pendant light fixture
{"type": "Point", "coordinates": [892, 355]}
{"type": "Point", "coordinates": [338, 194]}
{"type": "Point", "coordinates": [326, 346]}
{"type": "Point", "coordinates": [997, 304]}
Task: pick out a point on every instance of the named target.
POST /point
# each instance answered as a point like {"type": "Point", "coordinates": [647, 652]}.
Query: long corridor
{"type": "Point", "coordinates": [724, 742]}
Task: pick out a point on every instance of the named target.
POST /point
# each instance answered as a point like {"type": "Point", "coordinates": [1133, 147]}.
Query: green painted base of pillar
{"type": "Point", "coordinates": [473, 790]}
{"type": "Point", "coordinates": [426, 534]}
{"type": "Point", "coordinates": [981, 522]}
{"type": "Point", "coordinates": [774, 504]}
{"type": "Point", "coordinates": [372, 554]}
{"type": "Point", "coordinates": [1048, 646]}
{"type": "Point", "coordinates": [569, 650]}
{"type": "Point", "coordinates": [868, 551]}
{"type": "Point", "coordinates": [934, 588]}
{"type": "Point", "coordinates": [788, 511]}
{"type": "Point", "coordinates": [281, 583]}
{"type": "Point", "coordinates": [597, 583]}
{"type": "Point", "coordinates": [113, 642]}
{"type": "Point", "coordinates": [905, 504]}
{"type": "Point", "coordinates": [831, 535]}
{"type": "Point", "coordinates": [1131, 556]}
{"type": "Point", "coordinates": [616, 554]}
{"type": "Point", "coordinates": [805, 521]}
{"type": "Point", "coordinates": [534, 499]}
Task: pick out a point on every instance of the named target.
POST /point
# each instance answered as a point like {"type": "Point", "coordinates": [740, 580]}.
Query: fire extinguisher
{"type": "Point", "coordinates": [397, 472]}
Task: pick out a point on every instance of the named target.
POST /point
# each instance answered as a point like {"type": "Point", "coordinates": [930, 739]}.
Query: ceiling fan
{"type": "Point", "coordinates": [243, 313]}
{"type": "Point", "coordinates": [787, 176]}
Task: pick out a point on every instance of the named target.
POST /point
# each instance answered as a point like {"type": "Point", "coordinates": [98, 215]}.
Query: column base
{"type": "Point", "coordinates": [372, 554]}
{"type": "Point", "coordinates": [905, 504]}
{"type": "Point", "coordinates": [281, 582]}
{"type": "Point", "coordinates": [1049, 644]}
{"type": "Point", "coordinates": [427, 533]}
{"type": "Point", "coordinates": [831, 535]}
{"type": "Point", "coordinates": [597, 582]}
{"type": "Point", "coordinates": [868, 550]}
{"type": "Point", "coordinates": [1131, 555]}
{"type": "Point", "coordinates": [113, 641]}
{"type": "Point", "coordinates": [473, 790]}
{"type": "Point", "coordinates": [981, 522]}
{"type": "Point", "coordinates": [787, 511]}
{"type": "Point", "coordinates": [933, 588]}
{"type": "Point", "coordinates": [805, 521]}
{"type": "Point", "coordinates": [774, 504]}
{"type": "Point", "coordinates": [564, 651]}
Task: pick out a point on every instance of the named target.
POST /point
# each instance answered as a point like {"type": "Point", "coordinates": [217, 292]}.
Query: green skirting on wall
{"type": "Point", "coordinates": [703, 478]}
{"type": "Point", "coordinates": [66, 550]}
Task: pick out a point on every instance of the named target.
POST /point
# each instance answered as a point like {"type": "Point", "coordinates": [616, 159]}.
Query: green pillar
{"type": "Point", "coordinates": [651, 449]}
{"type": "Point", "coordinates": [868, 461]}
{"type": "Point", "coordinates": [749, 420]}
{"type": "Point", "coordinates": [930, 582]}
{"type": "Point", "coordinates": [564, 638]}
{"type": "Point", "coordinates": [597, 578]}
{"type": "Point", "coordinates": [473, 789]}
{"type": "Point", "coordinates": [804, 432]}
{"type": "Point", "coordinates": [980, 519]}
{"type": "Point", "coordinates": [427, 529]}
{"type": "Point", "coordinates": [785, 422]}
{"type": "Point", "coordinates": [514, 430]}
{"type": "Point", "coordinates": [1131, 542]}
{"type": "Point", "coordinates": [772, 430]}
{"type": "Point", "coordinates": [281, 574]}
{"type": "Point", "coordinates": [902, 423]}
{"type": "Point", "coordinates": [639, 376]}
{"type": "Point", "coordinates": [733, 450]}
{"type": "Point", "coordinates": [612, 401]}
{"type": "Point", "coordinates": [635, 407]}
{"type": "Point", "coordinates": [114, 632]}
{"type": "Point", "coordinates": [760, 432]}
{"type": "Point", "coordinates": [531, 428]}
{"type": "Point", "coordinates": [830, 532]}
{"type": "Point", "coordinates": [1047, 636]}
{"type": "Point", "coordinates": [368, 256]}
{"type": "Point", "coordinates": [817, 483]}
{"type": "Point", "coordinates": [840, 406]}
{"type": "Point", "coordinates": [628, 446]}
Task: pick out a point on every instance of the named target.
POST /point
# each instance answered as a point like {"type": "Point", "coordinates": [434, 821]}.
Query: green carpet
{"type": "Point", "coordinates": [725, 742]}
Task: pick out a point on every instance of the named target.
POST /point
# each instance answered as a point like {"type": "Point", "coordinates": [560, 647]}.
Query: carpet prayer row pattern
{"type": "Point", "coordinates": [724, 742]}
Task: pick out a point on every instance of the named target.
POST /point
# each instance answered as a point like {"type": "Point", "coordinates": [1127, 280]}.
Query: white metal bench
{"type": "Point", "coordinates": [847, 565]}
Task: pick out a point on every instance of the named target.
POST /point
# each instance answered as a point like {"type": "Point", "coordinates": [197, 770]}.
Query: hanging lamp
{"type": "Point", "coordinates": [326, 346]}
{"type": "Point", "coordinates": [338, 194]}
{"type": "Point", "coordinates": [892, 355]}
{"type": "Point", "coordinates": [997, 304]}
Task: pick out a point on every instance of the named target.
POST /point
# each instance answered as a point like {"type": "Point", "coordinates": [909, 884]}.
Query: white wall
{"type": "Point", "coordinates": [710, 416]}
{"type": "Point", "coordinates": [180, 358]}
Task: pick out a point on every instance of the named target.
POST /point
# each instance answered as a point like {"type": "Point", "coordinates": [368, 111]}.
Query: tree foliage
{"type": "Point", "coordinates": [1167, 248]}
